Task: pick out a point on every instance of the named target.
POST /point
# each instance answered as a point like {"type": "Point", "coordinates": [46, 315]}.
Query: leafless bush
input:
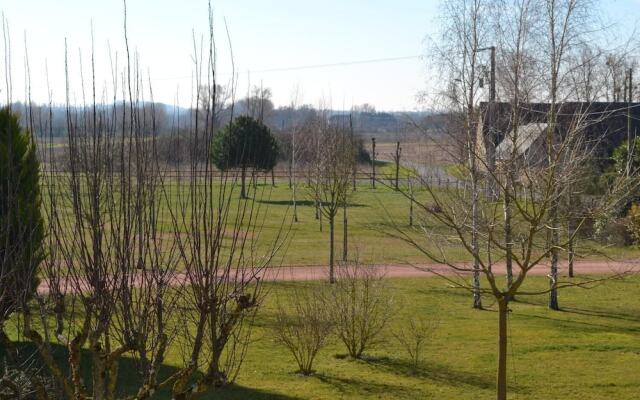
{"type": "Point", "coordinates": [141, 262]}
{"type": "Point", "coordinates": [25, 384]}
{"type": "Point", "coordinates": [361, 306]}
{"type": "Point", "coordinates": [303, 325]}
{"type": "Point", "coordinates": [415, 337]}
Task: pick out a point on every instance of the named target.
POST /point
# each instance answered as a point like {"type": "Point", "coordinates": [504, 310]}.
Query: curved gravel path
{"type": "Point", "coordinates": [320, 272]}
{"type": "Point", "coordinates": [317, 272]}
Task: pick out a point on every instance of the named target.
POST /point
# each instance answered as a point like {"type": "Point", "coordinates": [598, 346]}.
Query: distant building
{"type": "Point", "coordinates": [604, 125]}
{"type": "Point", "coordinates": [527, 142]}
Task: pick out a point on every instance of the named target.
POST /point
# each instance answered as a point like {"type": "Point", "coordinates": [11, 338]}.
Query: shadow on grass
{"type": "Point", "coordinates": [579, 326]}
{"type": "Point", "coordinates": [436, 372]}
{"type": "Point", "coordinates": [381, 163]}
{"type": "Point", "coordinates": [351, 386]}
{"type": "Point", "coordinates": [237, 392]}
{"type": "Point", "coordinates": [129, 379]}
{"type": "Point", "coordinates": [488, 303]}
{"type": "Point", "coordinates": [301, 203]}
{"type": "Point", "coordinates": [602, 314]}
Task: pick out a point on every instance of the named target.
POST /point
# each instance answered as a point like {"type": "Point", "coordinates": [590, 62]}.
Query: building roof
{"type": "Point", "coordinates": [524, 139]}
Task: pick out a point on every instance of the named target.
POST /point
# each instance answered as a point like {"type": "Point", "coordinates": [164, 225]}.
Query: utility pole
{"type": "Point", "coordinates": [490, 160]}
{"type": "Point", "coordinates": [629, 91]}
{"type": "Point", "coordinates": [293, 173]}
{"type": "Point", "coordinates": [373, 162]}
{"type": "Point", "coordinates": [490, 114]}
{"type": "Point", "coordinates": [492, 86]}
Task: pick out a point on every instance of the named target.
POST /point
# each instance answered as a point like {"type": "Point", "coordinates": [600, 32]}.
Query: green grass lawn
{"type": "Point", "coordinates": [372, 214]}
{"type": "Point", "coordinates": [387, 171]}
{"type": "Point", "coordinates": [589, 350]}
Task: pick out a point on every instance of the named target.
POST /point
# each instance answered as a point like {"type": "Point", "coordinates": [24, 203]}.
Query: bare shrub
{"type": "Point", "coordinates": [142, 262]}
{"type": "Point", "coordinates": [415, 337]}
{"type": "Point", "coordinates": [25, 384]}
{"type": "Point", "coordinates": [361, 306]}
{"type": "Point", "coordinates": [303, 325]}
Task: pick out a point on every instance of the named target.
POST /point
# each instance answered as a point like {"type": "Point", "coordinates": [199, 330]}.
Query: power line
{"type": "Point", "coordinates": [314, 66]}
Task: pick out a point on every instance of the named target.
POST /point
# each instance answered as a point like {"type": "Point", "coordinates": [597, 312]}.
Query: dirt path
{"type": "Point", "coordinates": [319, 272]}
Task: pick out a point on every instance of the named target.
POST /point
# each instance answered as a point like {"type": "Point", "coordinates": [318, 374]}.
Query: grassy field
{"type": "Point", "coordinates": [372, 214]}
{"type": "Point", "coordinates": [589, 350]}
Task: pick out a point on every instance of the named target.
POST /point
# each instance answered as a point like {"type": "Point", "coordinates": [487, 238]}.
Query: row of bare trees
{"type": "Point", "coordinates": [137, 262]}
{"type": "Point", "coordinates": [537, 50]}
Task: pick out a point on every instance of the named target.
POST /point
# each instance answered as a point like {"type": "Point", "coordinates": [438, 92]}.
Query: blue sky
{"type": "Point", "coordinates": [265, 35]}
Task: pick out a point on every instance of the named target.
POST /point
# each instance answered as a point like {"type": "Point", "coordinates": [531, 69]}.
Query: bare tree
{"type": "Point", "coordinates": [140, 262]}
{"type": "Point", "coordinates": [545, 160]}
{"type": "Point", "coordinates": [330, 172]}
{"type": "Point", "coordinates": [465, 33]}
{"type": "Point", "coordinates": [257, 104]}
{"type": "Point", "coordinates": [304, 324]}
{"type": "Point", "coordinates": [415, 337]}
{"type": "Point", "coordinates": [361, 305]}
{"type": "Point", "coordinates": [544, 183]}
{"type": "Point", "coordinates": [396, 160]}
{"type": "Point", "coordinates": [565, 23]}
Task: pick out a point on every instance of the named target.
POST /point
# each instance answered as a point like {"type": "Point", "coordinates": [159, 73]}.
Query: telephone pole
{"type": "Point", "coordinates": [630, 90]}
{"type": "Point", "coordinates": [490, 149]}
{"type": "Point", "coordinates": [629, 99]}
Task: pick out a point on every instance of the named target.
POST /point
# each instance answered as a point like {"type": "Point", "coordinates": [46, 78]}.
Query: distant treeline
{"type": "Point", "coordinates": [165, 119]}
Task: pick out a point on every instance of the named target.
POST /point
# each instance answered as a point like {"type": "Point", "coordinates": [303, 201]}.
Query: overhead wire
{"type": "Point", "coordinates": [311, 66]}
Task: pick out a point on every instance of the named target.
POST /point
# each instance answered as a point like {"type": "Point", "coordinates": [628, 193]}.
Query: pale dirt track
{"type": "Point", "coordinates": [317, 272]}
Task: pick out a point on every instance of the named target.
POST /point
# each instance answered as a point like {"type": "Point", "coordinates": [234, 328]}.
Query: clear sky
{"type": "Point", "coordinates": [270, 39]}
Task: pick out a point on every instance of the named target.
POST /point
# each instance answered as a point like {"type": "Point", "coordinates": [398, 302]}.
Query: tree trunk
{"type": "Point", "coordinates": [243, 192]}
{"type": "Point", "coordinates": [373, 163]}
{"type": "Point", "coordinates": [501, 383]}
{"type": "Point", "coordinates": [295, 204]}
{"type": "Point", "coordinates": [553, 294]}
{"type": "Point", "coordinates": [553, 275]}
{"type": "Point", "coordinates": [411, 211]}
{"type": "Point", "coordinates": [554, 243]}
{"type": "Point", "coordinates": [507, 234]}
{"type": "Point", "coordinates": [397, 164]}
{"type": "Point", "coordinates": [99, 374]}
{"type": "Point", "coordinates": [355, 171]}
{"type": "Point", "coordinates": [331, 252]}
{"type": "Point", "coordinates": [345, 243]}
{"type": "Point", "coordinates": [477, 300]}
{"type": "Point", "coordinates": [572, 254]}
{"type": "Point", "coordinates": [471, 142]}
{"type": "Point", "coordinates": [553, 211]}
